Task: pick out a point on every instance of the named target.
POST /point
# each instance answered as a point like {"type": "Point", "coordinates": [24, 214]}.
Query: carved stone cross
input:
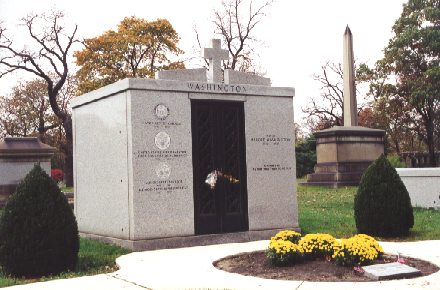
{"type": "Point", "coordinates": [215, 55]}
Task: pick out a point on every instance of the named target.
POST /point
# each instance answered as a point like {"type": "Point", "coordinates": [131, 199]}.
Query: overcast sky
{"type": "Point", "coordinates": [299, 36]}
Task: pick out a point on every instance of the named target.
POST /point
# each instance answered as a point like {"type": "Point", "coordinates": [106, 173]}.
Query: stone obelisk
{"type": "Point", "coordinates": [344, 152]}
{"type": "Point", "coordinates": [350, 104]}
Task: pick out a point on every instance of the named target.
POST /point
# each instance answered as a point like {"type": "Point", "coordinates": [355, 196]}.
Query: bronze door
{"type": "Point", "coordinates": [219, 164]}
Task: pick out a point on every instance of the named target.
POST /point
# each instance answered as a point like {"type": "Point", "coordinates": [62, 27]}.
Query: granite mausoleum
{"type": "Point", "coordinates": [18, 155]}
{"type": "Point", "coordinates": [191, 157]}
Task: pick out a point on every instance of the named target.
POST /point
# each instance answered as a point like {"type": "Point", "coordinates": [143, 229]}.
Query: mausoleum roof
{"type": "Point", "coordinates": [13, 146]}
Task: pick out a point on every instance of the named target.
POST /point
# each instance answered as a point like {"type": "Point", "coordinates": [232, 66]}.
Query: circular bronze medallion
{"type": "Point", "coordinates": [162, 140]}
{"type": "Point", "coordinates": [163, 171]}
{"type": "Point", "coordinates": [161, 111]}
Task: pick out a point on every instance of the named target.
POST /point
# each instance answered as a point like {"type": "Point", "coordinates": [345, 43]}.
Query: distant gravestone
{"type": "Point", "coordinates": [390, 271]}
{"type": "Point", "coordinates": [192, 157]}
{"type": "Point", "coordinates": [17, 157]}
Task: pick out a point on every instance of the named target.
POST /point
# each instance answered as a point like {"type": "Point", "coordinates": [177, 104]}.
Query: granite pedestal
{"type": "Point", "coordinates": [343, 154]}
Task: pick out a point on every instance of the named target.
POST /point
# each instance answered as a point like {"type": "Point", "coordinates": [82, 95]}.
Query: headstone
{"type": "Point", "coordinates": [390, 271]}
{"type": "Point", "coordinates": [344, 152]}
{"type": "Point", "coordinates": [18, 155]}
{"type": "Point", "coordinates": [171, 162]}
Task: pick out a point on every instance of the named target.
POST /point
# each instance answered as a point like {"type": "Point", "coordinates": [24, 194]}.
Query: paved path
{"type": "Point", "coordinates": [191, 268]}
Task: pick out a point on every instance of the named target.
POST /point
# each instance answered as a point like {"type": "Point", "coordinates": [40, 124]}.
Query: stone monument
{"type": "Point", "coordinates": [18, 155]}
{"type": "Point", "coordinates": [192, 157]}
{"type": "Point", "coordinates": [344, 152]}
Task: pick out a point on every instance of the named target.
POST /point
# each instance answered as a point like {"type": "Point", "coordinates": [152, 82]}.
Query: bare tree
{"type": "Point", "coordinates": [236, 22]}
{"type": "Point", "coordinates": [327, 111]}
{"type": "Point", "coordinates": [47, 61]}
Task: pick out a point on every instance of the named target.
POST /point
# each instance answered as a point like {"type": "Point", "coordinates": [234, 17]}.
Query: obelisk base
{"type": "Point", "coordinates": [343, 154]}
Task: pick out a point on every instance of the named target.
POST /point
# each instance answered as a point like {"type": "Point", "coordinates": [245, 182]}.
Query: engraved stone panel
{"type": "Point", "coordinates": [162, 174]}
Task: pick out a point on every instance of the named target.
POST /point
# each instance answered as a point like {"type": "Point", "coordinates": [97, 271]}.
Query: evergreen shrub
{"type": "Point", "coordinates": [305, 152]}
{"type": "Point", "coordinates": [382, 206]}
{"type": "Point", "coordinates": [38, 230]}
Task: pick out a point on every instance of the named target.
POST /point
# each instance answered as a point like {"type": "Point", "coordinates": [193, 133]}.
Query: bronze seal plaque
{"type": "Point", "coordinates": [162, 140]}
{"type": "Point", "coordinates": [161, 111]}
{"type": "Point", "coordinates": [163, 171]}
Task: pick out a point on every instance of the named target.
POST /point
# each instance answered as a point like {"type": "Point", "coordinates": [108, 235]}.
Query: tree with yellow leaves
{"type": "Point", "coordinates": [138, 48]}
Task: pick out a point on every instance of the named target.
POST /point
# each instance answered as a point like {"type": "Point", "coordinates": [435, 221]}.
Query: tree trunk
{"type": "Point", "coordinates": [431, 147]}
{"type": "Point", "coordinates": [429, 125]}
{"type": "Point", "coordinates": [396, 145]}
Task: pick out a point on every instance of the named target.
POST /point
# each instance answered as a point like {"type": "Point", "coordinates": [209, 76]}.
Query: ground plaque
{"type": "Point", "coordinates": [390, 271]}
{"type": "Point", "coordinates": [172, 157]}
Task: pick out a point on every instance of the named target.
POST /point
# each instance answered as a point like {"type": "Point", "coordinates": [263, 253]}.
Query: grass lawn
{"type": "Point", "coordinates": [94, 258]}
{"type": "Point", "coordinates": [67, 189]}
{"type": "Point", "coordinates": [321, 210]}
{"type": "Point", "coordinates": [328, 210]}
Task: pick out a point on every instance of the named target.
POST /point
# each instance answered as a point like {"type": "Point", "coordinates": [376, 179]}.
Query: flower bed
{"type": "Point", "coordinates": [289, 247]}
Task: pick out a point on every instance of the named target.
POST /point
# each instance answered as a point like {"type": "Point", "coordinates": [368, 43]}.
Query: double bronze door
{"type": "Point", "coordinates": [219, 164]}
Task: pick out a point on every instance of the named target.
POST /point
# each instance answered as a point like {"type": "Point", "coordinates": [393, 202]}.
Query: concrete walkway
{"type": "Point", "coordinates": [191, 268]}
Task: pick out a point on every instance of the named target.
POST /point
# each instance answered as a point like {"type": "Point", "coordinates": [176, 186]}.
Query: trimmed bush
{"type": "Point", "coordinates": [382, 206]}
{"type": "Point", "coordinates": [38, 231]}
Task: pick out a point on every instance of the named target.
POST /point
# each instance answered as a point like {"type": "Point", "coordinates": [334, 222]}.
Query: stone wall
{"type": "Point", "coordinates": [423, 185]}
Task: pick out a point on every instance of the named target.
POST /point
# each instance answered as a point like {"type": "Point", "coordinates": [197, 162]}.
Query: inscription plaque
{"type": "Point", "coordinates": [160, 154]}
{"type": "Point", "coordinates": [272, 167]}
{"type": "Point", "coordinates": [271, 139]}
{"type": "Point", "coordinates": [168, 186]}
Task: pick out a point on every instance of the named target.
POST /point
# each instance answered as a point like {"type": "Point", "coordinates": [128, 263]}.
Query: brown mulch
{"type": "Point", "coordinates": [256, 264]}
